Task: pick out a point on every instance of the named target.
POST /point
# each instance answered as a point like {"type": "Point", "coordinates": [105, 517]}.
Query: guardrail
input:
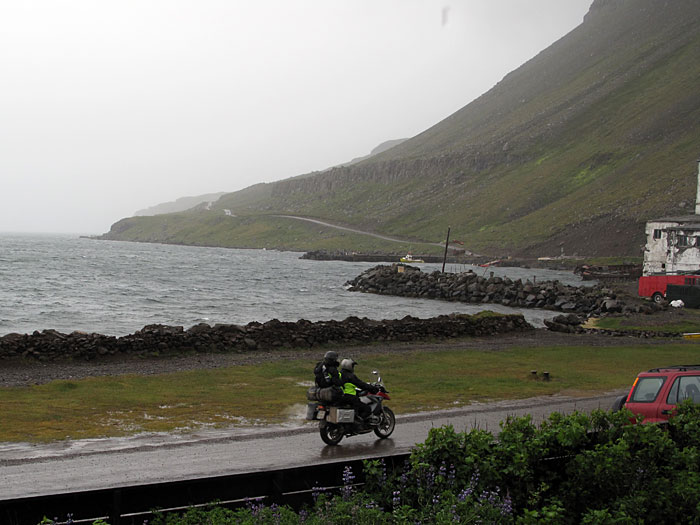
{"type": "Point", "coordinates": [131, 505]}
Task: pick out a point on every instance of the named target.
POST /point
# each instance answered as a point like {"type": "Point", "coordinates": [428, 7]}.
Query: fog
{"type": "Point", "coordinates": [110, 107]}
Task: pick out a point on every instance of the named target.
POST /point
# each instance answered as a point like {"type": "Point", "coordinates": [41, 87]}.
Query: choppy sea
{"type": "Point", "coordinates": [68, 283]}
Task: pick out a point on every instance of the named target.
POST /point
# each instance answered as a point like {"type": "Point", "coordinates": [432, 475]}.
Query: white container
{"type": "Point", "coordinates": [341, 415]}
{"type": "Point", "coordinates": [311, 409]}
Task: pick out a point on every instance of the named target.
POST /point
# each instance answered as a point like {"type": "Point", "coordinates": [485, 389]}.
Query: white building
{"type": "Point", "coordinates": [673, 243]}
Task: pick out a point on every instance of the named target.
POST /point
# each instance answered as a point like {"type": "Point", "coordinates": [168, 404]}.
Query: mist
{"type": "Point", "coordinates": [108, 108]}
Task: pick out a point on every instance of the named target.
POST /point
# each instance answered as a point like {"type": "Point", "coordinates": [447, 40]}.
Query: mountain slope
{"type": "Point", "coordinates": [572, 151]}
{"type": "Point", "coordinates": [181, 204]}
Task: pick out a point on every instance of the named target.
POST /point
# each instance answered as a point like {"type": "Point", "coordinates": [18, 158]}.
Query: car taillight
{"type": "Point", "coordinates": [631, 390]}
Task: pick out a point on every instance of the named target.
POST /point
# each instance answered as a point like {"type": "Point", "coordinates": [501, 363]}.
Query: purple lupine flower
{"type": "Point", "coordinates": [348, 478]}
{"type": "Point", "coordinates": [430, 478]}
{"type": "Point", "coordinates": [396, 498]}
{"type": "Point", "coordinates": [465, 493]}
{"type": "Point", "coordinates": [404, 473]}
{"type": "Point", "coordinates": [316, 491]}
{"type": "Point", "coordinates": [255, 505]}
{"type": "Point", "coordinates": [507, 506]}
{"type": "Point", "coordinates": [475, 478]}
{"type": "Point", "coordinates": [303, 516]}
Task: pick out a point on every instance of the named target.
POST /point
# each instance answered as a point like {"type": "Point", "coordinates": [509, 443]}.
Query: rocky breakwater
{"type": "Point", "coordinates": [468, 287]}
{"type": "Point", "coordinates": [159, 340]}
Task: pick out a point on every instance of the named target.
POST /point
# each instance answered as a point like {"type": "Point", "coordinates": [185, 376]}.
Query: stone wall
{"type": "Point", "coordinates": [468, 287]}
{"type": "Point", "coordinates": [49, 345]}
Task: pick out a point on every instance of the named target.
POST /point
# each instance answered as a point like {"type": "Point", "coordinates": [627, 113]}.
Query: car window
{"type": "Point", "coordinates": [688, 388]}
{"type": "Point", "coordinates": [672, 398]}
{"type": "Point", "coordinates": [647, 389]}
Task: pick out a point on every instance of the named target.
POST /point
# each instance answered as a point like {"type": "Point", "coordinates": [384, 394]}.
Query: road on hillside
{"type": "Point", "coordinates": [34, 470]}
{"type": "Point", "coordinates": [378, 236]}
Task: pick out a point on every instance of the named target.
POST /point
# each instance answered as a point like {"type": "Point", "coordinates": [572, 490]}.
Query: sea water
{"type": "Point", "coordinates": [67, 283]}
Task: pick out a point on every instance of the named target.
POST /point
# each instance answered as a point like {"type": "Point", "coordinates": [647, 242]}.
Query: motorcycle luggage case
{"type": "Point", "coordinates": [341, 415]}
{"type": "Point", "coordinates": [311, 410]}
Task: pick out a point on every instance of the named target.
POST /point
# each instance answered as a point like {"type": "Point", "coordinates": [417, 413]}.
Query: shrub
{"type": "Point", "coordinates": [580, 468]}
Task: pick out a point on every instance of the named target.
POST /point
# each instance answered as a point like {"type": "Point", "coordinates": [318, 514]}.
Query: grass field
{"type": "Point", "coordinates": [677, 321]}
{"type": "Point", "coordinates": [275, 392]}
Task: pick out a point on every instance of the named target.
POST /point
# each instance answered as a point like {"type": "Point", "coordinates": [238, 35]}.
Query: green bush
{"type": "Point", "coordinates": [592, 469]}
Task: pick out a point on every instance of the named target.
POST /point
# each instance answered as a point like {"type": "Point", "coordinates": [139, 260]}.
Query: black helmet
{"type": "Point", "coordinates": [347, 364]}
{"type": "Point", "coordinates": [331, 357]}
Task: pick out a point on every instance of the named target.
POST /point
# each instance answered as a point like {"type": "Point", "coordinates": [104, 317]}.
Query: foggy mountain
{"type": "Point", "coordinates": [572, 151]}
{"type": "Point", "coordinates": [181, 204]}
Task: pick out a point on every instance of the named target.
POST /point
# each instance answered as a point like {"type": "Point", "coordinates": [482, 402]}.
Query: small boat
{"type": "Point", "coordinates": [691, 335]}
{"type": "Point", "coordinates": [490, 263]}
{"type": "Point", "coordinates": [408, 258]}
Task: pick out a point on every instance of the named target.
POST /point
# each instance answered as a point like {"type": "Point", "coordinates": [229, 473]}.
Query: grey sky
{"type": "Point", "coordinates": [107, 107]}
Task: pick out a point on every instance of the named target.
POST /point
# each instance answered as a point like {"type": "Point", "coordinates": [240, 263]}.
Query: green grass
{"type": "Point", "coordinates": [274, 392]}
{"type": "Point", "coordinates": [213, 228]}
{"type": "Point", "coordinates": [687, 321]}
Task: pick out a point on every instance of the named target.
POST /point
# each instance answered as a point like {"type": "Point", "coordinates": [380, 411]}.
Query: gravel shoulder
{"type": "Point", "coordinates": [15, 373]}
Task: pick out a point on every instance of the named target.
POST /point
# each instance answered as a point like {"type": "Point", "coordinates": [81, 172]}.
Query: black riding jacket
{"type": "Point", "coordinates": [350, 377]}
{"type": "Point", "coordinates": [326, 375]}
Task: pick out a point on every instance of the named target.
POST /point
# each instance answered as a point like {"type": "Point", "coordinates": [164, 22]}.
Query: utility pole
{"type": "Point", "coordinates": [444, 258]}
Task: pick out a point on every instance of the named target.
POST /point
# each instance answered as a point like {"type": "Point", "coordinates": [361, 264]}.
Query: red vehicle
{"type": "Point", "coordinates": [656, 393]}
{"type": "Point", "coordinates": [654, 286]}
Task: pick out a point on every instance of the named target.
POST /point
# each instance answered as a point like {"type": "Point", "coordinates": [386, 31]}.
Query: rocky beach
{"type": "Point", "coordinates": [469, 287]}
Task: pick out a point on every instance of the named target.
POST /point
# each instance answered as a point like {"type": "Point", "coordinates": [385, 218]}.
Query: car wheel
{"type": "Point", "coordinates": [618, 404]}
{"type": "Point", "coordinates": [657, 297]}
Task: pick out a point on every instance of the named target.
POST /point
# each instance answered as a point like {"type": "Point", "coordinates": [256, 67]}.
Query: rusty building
{"type": "Point", "coordinates": [673, 243]}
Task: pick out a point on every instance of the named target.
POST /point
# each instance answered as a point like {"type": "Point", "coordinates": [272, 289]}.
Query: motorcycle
{"type": "Point", "coordinates": [337, 420]}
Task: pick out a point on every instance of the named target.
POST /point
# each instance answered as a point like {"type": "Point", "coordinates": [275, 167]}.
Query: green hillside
{"type": "Point", "coordinates": [574, 150]}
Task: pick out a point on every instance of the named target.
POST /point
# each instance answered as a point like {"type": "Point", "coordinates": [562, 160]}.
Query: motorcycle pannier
{"type": "Point", "coordinates": [312, 393]}
{"type": "Point", "coordinates": [311, 410]}
{"type": "Point", "coordinates": [341, 415]}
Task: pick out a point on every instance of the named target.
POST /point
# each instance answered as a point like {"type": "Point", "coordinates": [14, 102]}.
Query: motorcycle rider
{"type": "Point", "coordinates": [326, 371]}
{"type": "Point", "coordinates": [350, 384]}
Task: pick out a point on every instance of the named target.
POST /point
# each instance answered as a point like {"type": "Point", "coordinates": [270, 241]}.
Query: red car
{"type": "Point", "coordinates": [656, 393]}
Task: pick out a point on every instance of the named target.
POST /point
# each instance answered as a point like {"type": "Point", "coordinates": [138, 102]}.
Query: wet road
{"type": "Point", "coordinates": [94, 464]}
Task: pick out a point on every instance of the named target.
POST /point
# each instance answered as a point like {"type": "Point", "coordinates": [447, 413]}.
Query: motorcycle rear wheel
{"type": "Point", "coordinates": [386, 425]}
{"type": "Point", "coordinates": [331, 434]}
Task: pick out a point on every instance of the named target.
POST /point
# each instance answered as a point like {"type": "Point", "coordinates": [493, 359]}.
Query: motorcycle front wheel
{"type": "Point", "coordinates": [331, 434]}
{"type": "Point", "coordinates": [386, 424]}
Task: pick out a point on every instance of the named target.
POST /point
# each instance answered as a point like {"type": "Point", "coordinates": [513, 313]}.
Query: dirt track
{"type": "Point", "coordinates": [18, 373]}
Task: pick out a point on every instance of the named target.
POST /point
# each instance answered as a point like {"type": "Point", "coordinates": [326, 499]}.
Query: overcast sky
{"type": "Point", "coordinates": [107, 107]}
